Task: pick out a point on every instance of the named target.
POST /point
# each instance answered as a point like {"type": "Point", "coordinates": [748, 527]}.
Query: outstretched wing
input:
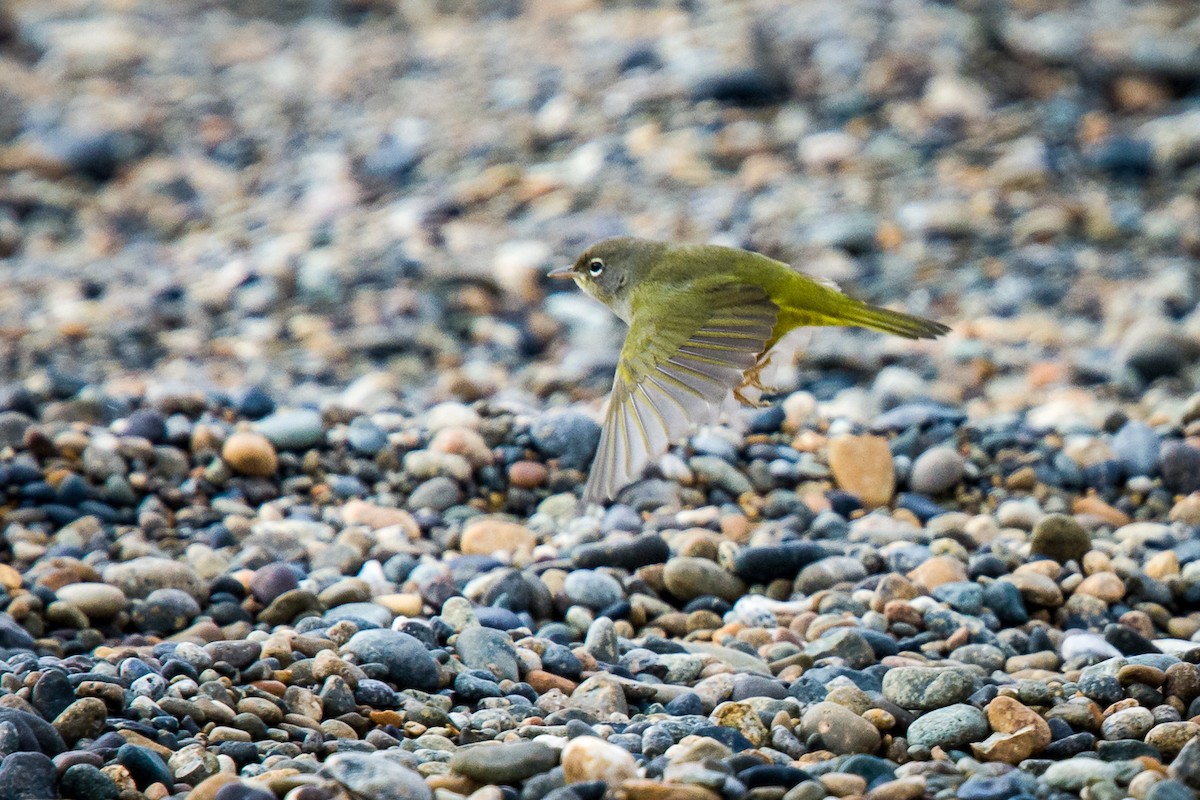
{"type": "Point", "coordinates": [675, 370]}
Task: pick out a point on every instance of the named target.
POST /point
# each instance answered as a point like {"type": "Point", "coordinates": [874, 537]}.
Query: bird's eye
{"type": "Point", "coordinates": [595, 267]}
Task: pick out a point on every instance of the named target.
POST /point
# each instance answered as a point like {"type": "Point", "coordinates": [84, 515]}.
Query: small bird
{"type": "Point", "coordinates": [702, 321]}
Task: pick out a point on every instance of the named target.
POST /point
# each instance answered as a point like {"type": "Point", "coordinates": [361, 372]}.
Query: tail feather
{"type": "Point", "coordinates": [895, 322]}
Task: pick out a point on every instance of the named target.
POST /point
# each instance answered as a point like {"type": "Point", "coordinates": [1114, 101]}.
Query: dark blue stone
{"type": "Point", "coordinates": [472, 686]}
{"type": "Point", "coordinates": [771, 562]}
{"type": "Point", "coordinates": [241, 752]}
{"type": "Point", "coordinates": [1059, 729]}
{"type": "Point", "coordinates": [72, 490]}
{"type": "Point", "coordinates": [729, 737]}
{"type": "Point", "coordinates": [627, 554]}
{"type": "Point", "coordinates": [808, 690]}
{"type": "Point", "coordinates": [685, 704]}
{"type": "Point", "coordinates": [768, 420]}
{"type": "Point", "coordinates": [963, 596]}
{"type": "Point", "coordinates": [1069, 746]}
{"type": "Point", "coordinates": [27, 775]}
{"type": "Point", "coordinates": [559, 660]}
{"type": "Point", "coordinates": [571, 437]}
{"type": "Point", "coordinates": [873, 769]}
{"type": "Point", "coordinates": [147, 424]}
{"type": "Point", "coordinates": [1004, 599]}
{"type": "Point", "coordinates": [145, 766]}
{"type": "Point", "coordinates": [924, 508]}
{"type": "Point", "coordinates": [499, 618]}
{"type": "Point", "coordinates": [255, 403]}
{"type": "Point", "coordinates": [1125, 749]}
{"type": "Point", "coordinates": [977, 788]}
{"type": "Point", "coordinates": [34, 734]}
{"type": "Point", "coordinates": [843, 503]}
{"type": "Point", "coordinates": [772, 775]}
{"type": "Point", "coordinates": [87, 782]}
{"type": "Point", "coordinates": [882, 644]}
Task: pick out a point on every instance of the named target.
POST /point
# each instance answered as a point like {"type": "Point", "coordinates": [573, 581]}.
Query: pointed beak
{"type": "Point", "coordinates": [561, 273]}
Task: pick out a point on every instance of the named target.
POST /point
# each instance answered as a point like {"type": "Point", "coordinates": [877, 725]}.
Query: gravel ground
{"type": "Point", "coordinates": [293, 429]}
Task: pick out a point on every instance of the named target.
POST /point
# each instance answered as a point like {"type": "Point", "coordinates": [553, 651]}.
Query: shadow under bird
{"type": "Point", "coordinates": [702, 321]}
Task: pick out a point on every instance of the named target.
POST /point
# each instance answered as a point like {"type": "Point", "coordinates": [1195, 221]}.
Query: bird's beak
{"type": "Point", "coordinates": [561, 273]}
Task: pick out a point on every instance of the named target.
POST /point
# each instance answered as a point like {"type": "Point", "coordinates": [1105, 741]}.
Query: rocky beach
{"type": "Point", "coordinates": [293, 428]}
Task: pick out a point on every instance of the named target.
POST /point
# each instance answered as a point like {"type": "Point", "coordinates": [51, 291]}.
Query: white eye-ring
{"type": "Point", "coordinates": [595, 267]}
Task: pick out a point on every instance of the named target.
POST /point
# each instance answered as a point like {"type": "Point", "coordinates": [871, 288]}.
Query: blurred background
{"type": "Point", "coordinates": [359, 198]}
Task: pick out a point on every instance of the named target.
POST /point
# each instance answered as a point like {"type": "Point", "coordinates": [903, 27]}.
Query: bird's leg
{"type": "Point", "coordinates": [752, 379]}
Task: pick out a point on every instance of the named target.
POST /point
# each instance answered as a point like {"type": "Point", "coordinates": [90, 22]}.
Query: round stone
{"type": "Point", "coordinates": [486, 536]}
{"type": "Point", "coordinates": [926, 688]}
{"type": "Point", "coordinates": [271, 581]}
{"type": "Point", "coordinates": [863, 466]}
{"type": "Point", "coordinates": [1061, 538]}
{"type": "Point", "coordinates": [98, 600]}
{"type": "Point", "coordinates": [593, 589]}
{"type": "Point", "coordinates": [569, 436]}
{"type": "Point", "coordinates": [937, 470]}
{"type": "Point", "coordinates": [292, 429]}
{"type": "Point", "coordinates": [86, 780]}
{"type": "Point", "coordinates": [953, 726]}
{"type": "Point", "coordinates": [689, 577]}
{"type": "Point", "coordinates": [590, 758]}
{"type": "Point", "coordinates": [250, 453]}
{"type": "Point", "coordinates": [488, 649]}
{"type": "Point", "coordinates": [505, 764]}
{"type": "Point", "coordinates": [839, 729]}
{"type": "Point", "coordinates": [408, 663]}
{"type": "Point", "coordinates": [376, 775]}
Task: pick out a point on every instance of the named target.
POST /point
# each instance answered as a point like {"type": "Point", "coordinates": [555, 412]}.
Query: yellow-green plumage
{"type": "Point", "coordinates": [700, 319]}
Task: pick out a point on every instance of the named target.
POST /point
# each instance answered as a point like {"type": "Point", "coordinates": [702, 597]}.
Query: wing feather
{"type": "Point", "coordinates": [675, 373]}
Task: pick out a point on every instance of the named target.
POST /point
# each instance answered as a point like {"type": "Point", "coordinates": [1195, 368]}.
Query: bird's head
{"type": "Point", "coordinates": [609, 269]}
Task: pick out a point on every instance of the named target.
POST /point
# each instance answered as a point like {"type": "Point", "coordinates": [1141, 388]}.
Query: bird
{"type": "Point", "coordinates": [702, 322]}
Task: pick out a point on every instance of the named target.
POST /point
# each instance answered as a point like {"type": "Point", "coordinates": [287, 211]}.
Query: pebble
{"type": "Point", "coordinates": [291, 429]}
{"type": "Point", "coordinates": [927, 688]}
{"type": "Point", "coordinates": [406, 660]}
{"type": "Point", "coordinates": [841, 731]}
{"type": "Point", "coordinates": [936, 471]}
{"type": "Point", "coordinates": [590, 758]}
{"type": "Point", "coordinates": [250, 453]}
{"type": "Point", "coordinates": [487, 649]}
{"type": "Point", "coordinates": [489, 536]}
{"type": "Point", "coordinates": [24, 776]}
{"type": "Point", "coordinates": [1060, 537]}
{"type": "Point", "coordinates": [862, 466]}
{"type": "Point", "coordinates": [688, 578]}
{"type": "Point", "coordinates": [375, 775]}
{"type": "Point", "coordinates": [953, 726]}
{"type": "Point", "coordinates": [504, 763]}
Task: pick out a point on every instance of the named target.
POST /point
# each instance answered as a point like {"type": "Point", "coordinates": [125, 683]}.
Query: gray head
{"type": "Point", "coordinates": [609, 268]}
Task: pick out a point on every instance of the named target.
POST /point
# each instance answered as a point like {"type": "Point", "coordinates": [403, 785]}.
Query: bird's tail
{"type": "Point", "coordinates": [885, 320]}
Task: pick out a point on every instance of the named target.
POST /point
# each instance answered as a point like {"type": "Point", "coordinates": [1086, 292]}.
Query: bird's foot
{"type": "Point", "coordinates": [746, 401]}
{"type": "Point", "coordinates": [752, 379]}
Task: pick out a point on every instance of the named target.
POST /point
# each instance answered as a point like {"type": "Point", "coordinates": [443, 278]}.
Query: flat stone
{"type": "Point", "coordinates": [409, 664]}
{"type": "Point", "coordinates": [841, 731]}
{"type": "Point", "coordinates": [927, 688]}
{"type": "Point", "coordinates": [507, 764]}
{"type": "Point", "coordinates": [488, 649]}
{"type": "Point", "coordinates": [862, 466]}
{"type": "Point", "coordinates": [377, 776]}
{"type": "Point", "coordinates": [486, 536]}
{"type": "Point", "coordinates": [590, 758]}
{"type": "Point", "coordinates": [953, 726]}
{"type": "Point", "coordinates": [690, 577]}
{"type": "Point", "coordinates": [99, 601]}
